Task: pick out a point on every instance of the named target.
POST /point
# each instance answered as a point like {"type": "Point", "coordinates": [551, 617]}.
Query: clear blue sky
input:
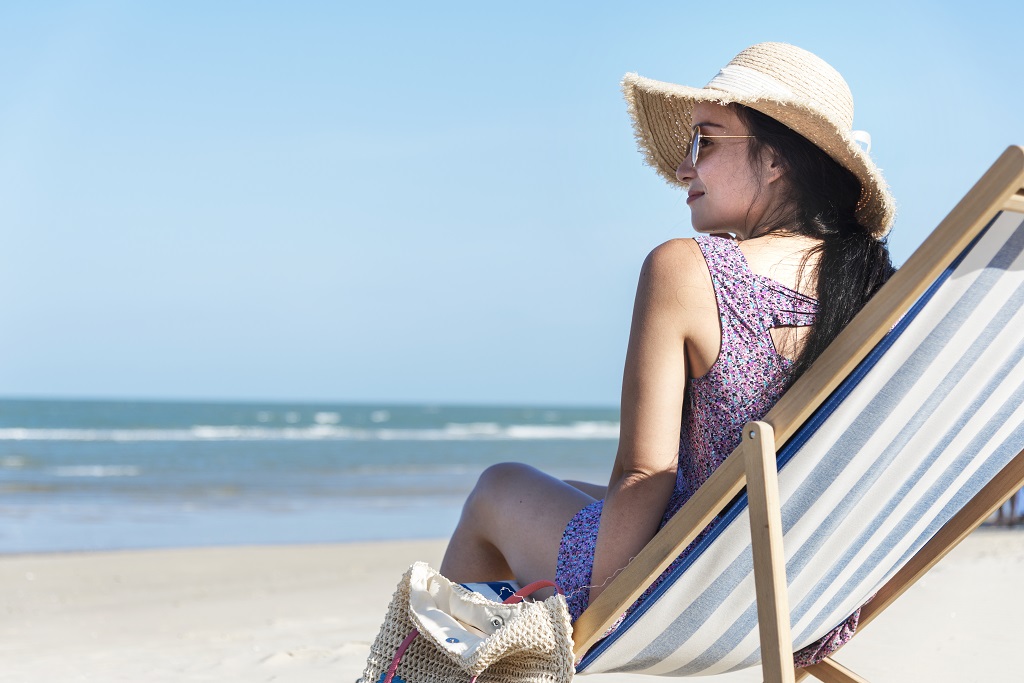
{"type": "Point", "coordinates": [403, 201]}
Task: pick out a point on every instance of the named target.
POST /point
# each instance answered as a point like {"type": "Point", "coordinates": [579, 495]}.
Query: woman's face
{"type": "Point", "coordinates": [725, 193]}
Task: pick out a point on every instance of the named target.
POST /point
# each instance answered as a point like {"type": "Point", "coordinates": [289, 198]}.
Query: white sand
{"type": "Point", "coordinates": [308, 613]}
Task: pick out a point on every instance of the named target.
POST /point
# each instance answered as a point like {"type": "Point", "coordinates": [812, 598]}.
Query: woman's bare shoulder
{"type": "Point", "coordinates": [678, 259]}
{"type": "Point", "coordinates": [678, 270]}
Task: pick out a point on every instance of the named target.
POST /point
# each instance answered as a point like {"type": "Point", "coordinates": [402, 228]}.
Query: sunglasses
{"type": "Point", "coordinates": [695, 139]}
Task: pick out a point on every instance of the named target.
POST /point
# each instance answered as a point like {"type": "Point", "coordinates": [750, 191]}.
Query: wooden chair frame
{"type": "Point", "coordinates": [752, 464]}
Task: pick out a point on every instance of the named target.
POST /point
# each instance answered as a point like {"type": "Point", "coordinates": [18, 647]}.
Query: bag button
{"type": "Point", "coordinates": [451, 640]}
{"type": "Point", "coordinates": [497, 622]}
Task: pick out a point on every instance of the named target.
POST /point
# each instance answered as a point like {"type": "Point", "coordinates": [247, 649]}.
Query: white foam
{"type": "Point", "coordinates": [474, 431]}
{"type": "Point", "coordinates": [97, 471]}
{"type": "Point", "coordinates": [576, 430]}
{"type": "Point", "coordinates": [326, 418]}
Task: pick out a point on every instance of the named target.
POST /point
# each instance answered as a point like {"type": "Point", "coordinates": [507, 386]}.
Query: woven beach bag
{"type": "Point", "coordinates": [437, 631]}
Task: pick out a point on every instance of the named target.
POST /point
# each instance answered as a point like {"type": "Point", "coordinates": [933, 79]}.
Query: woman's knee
{"type": "Point", "coordinates": [494, 488]}
{"type": "Point", "coordinates": [497, 479]}
{"type": "Point", "coordinates": [499, 476]}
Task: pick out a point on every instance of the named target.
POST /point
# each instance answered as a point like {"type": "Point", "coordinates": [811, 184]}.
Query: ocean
{"type": "Point", "coordinates": [102, 475]}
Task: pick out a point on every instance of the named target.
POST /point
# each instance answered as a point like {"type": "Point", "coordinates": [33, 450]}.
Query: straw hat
{"type": "Point", "coordinates": [788, 84]}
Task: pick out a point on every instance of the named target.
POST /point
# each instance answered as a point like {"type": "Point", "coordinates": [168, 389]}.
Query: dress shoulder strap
{"type": "Point", "coordinates": [754, 300]}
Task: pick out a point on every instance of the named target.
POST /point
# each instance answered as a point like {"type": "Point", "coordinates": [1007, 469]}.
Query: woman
{"type": "Point", "coordinates": [792, 215]}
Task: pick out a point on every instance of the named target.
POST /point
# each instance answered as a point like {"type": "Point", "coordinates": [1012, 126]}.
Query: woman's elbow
{"type": "Point", "coordinates": [643, 478]}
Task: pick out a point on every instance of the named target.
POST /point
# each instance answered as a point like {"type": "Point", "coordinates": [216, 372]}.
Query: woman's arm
{"type": "Point", "coordinates": [674, 298]}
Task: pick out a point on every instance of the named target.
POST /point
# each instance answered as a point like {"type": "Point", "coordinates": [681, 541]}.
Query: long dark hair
{"type": "Point", "coordinates": [821, 200]}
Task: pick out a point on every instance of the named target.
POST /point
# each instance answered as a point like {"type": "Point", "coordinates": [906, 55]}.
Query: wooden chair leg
{"type": "Point", "coordinates": [769, 559]}
{"type": "Point", "coordinates": [831, 671]}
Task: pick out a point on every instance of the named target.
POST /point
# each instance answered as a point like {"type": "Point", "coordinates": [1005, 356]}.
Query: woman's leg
{"type": "Point", "coordinates": [511, 526]}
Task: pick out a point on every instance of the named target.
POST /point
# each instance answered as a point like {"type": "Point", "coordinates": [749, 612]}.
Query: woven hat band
{"type": "Point", "coordinates": [741, 80]}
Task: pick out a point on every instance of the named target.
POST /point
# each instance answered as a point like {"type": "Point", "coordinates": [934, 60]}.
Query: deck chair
{"type": "Point", "coordinates": [902, 438]}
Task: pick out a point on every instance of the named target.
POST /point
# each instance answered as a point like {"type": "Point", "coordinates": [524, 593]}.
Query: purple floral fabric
{"type": "Point", "coordinates": [745, 381]}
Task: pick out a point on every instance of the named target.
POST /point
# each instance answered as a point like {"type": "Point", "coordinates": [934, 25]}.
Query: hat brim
{"type": "Point", "coordinates": [662, 116]}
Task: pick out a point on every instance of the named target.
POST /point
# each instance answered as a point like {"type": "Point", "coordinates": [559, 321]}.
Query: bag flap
{"type": "Point", "coordinates": [457, 619]}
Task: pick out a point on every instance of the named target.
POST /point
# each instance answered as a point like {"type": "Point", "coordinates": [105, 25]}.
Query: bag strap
{"type": "Point", "coordinates": [398, 655]}
{"type": "Point", "coordinates": [516, 597]}
{"type": "Point", "coordinates": [529, 589]}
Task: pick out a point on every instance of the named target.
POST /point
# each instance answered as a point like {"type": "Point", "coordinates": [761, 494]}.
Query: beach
{"type": "Point", "coordinates": [309, 612]}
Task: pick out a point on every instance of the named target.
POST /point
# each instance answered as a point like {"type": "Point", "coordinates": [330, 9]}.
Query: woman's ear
{"type": "Point", "coordinates": [773, 168]}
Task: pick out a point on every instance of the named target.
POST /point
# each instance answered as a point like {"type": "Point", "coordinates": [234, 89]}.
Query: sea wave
{"type": "Point", "coordinates": [96, 471]}
{"type": "Point", "coordinates": [477, 431]}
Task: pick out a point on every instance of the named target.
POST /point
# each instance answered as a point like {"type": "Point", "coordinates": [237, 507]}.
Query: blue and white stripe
{"type": "Point", "coordinates": [921, 426]}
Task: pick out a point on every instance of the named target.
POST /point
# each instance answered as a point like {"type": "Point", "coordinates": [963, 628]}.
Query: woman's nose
{"type": "Point", "coordinates": [684, 171]}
